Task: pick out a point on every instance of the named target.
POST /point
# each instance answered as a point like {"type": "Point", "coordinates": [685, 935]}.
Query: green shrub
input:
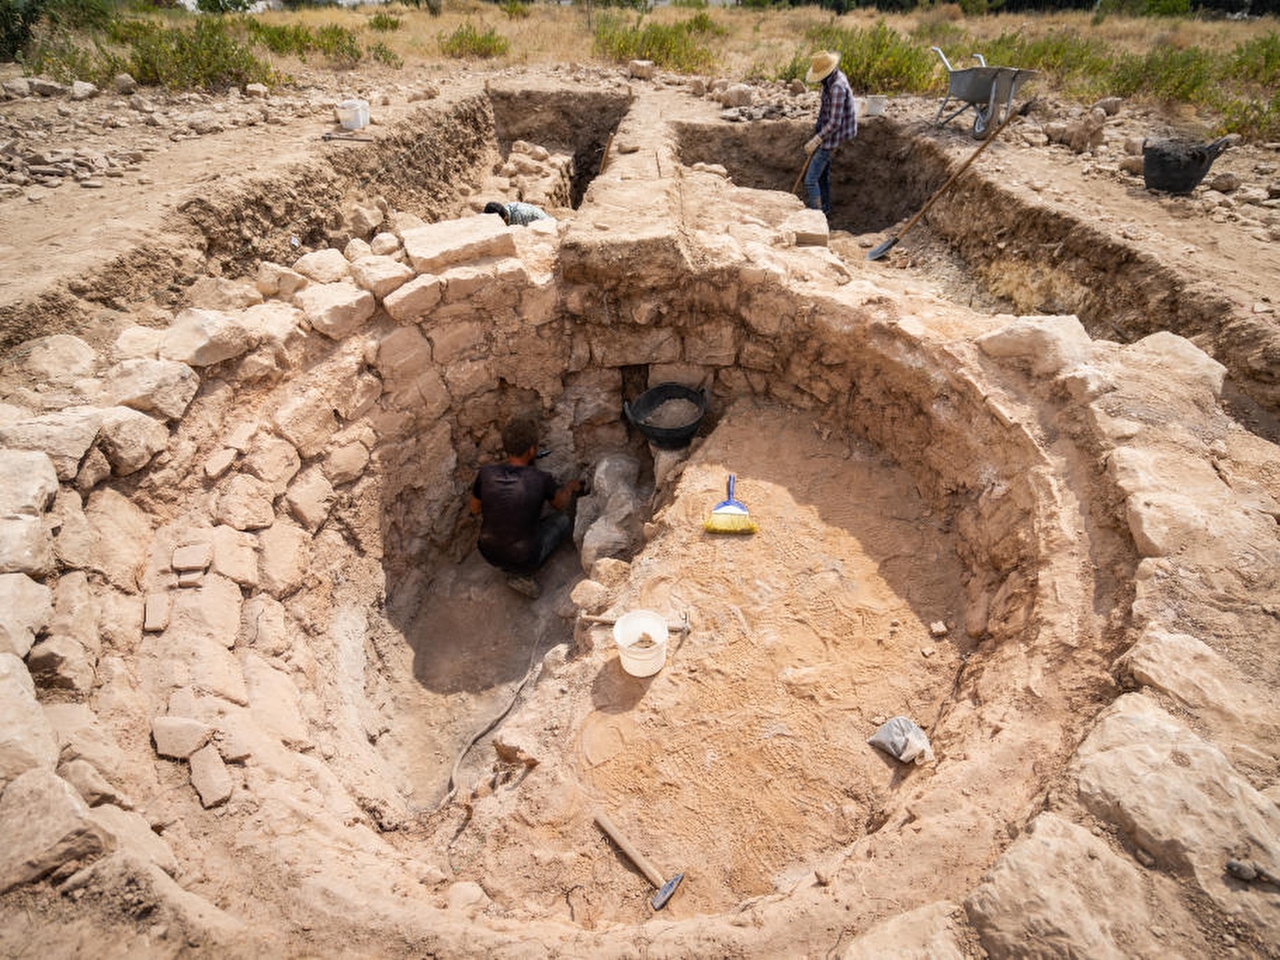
{"type": "Point", "coordinates": [676, 46]}
{"type": "Point", "coordinates": [17, 21]}
{"type": "Point", "coordinates": [338, 43]}
{"type": "Point", "coordinates": [379, 52]}
{"type": "Point", "coordinates": [467, 41]}
{"type": "Point", "coordinates": [290, 39]}
{"type": "Point", "coordinates": [876, 59]}
{"type": "Point", "coordinates": [1257, 61]}
{"type": "Point", "coordinates": [206, 55]}
{"type": "Point", "coordinates": [218, 7]}
{"type": "Point", "coordinates": [1166, 74]}
{"type": "Point", "coordinates": [1077, 64]}
{"type": "Point", "coordinates": [384, 22]}
{"type": "Point", "coordinates": [515, 9]}
{"type": "Point", "coordinates": [1253, 119]}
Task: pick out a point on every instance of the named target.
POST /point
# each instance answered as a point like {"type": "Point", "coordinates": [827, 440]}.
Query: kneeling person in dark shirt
{"type": "Point", "coordinates": [514, 536]}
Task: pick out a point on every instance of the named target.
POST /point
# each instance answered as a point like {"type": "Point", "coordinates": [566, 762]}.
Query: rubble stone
{"type": "Point", "coordinates": [25, 610]}
{"type": "Point", "coordinates": [246, 504]}
{"type": "Point", "coordinates": [179, 737]}
{"type": "Point", "coordinates": [26, 546]}
{"type": "Point", "coordinates": [336, 309]}
{"type": "Point", "coordinates": [161, 387]}
{"type": "Point", "coordinates": [130, 832]}
{"type": "Point", "coordinates": [26, 739]}
{"type": "Point", "coordinates": [310, 497]}
{"type": "Point", "coordinates": [64, 436]}
{"type": "Point", "coordinates": [130, 439]}
{"type": "Point", "coordinates": [323, 266]}
{"type": "Point", "coordinates": [283, 561]}
{"type": "Point", "coordinates": [436, 246]}
{"type": "Point", "coordinates": [45, 825]}
{"type": "Point", "coordinates": [201, 338]}
{"type": "Point", "coordinates": [210, 777]}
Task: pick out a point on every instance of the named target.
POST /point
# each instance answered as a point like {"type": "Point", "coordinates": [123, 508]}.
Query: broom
{"type": "Point", "coordinates": [730, 516]}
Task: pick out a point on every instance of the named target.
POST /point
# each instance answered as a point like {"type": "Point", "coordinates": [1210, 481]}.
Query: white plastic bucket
{"type": "Point", "coordinates": [353, 114]}
{"type": "Point", "coordinates": [641, 636]}
{"type": "Point", "coordinates": [875, 106]}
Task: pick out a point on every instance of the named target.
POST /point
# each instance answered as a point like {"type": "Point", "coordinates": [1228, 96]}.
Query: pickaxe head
{"type": "Point", "coordinates": [664, 892]}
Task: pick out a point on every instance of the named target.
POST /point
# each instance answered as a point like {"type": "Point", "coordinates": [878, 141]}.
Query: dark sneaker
{"type": "Point", "coordinates": [525, 586]}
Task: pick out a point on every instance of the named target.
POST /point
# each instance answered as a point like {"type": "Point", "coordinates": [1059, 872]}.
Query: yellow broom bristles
{"type": "Point", "coordinates": [730, 523]}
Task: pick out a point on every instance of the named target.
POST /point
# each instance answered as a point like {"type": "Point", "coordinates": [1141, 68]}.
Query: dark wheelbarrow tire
{"type": "Point", "coordinates": [982, 125]}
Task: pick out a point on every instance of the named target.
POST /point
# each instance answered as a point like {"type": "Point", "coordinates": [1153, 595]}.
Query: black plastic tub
{"type": "Point", "coordinates": [1178, 166]}
{"type": "Point", "coordinates": [667, 436]}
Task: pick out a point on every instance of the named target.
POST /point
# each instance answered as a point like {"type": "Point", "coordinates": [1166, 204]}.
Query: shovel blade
{"type": "Point", "coordinates": [878, 252]}
{"type": "Point", "coordinates": [664, 892]}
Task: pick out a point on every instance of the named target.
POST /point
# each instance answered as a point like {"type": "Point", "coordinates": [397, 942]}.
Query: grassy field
{"type": "Point", "coordinates": [1228, 70]}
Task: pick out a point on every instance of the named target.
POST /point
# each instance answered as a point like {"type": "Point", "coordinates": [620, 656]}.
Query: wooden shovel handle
{"type": "Point", "coordinates": [636, 857]}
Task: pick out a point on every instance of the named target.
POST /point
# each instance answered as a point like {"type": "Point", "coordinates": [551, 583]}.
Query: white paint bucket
{"type": "Point", "coordinates": [641, 636]}
{"type": "Point", "coordinates": [875, 106]}
{"type": "Point", "coordinates": [353, 114]}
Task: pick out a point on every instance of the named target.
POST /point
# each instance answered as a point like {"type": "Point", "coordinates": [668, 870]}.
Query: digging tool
{"type": "Point", "coordinates": [803, 170]}
{"type": "Point", "coordinates": [665, 887]}
{"type": "Point", "coordinates": [347, 137]}
{"type": "Point", "coordinates": [730, 515]}
{"type": "Point", "coordinates": [889, 244]}
{"type": "Point", "coordinates": [682, 627]}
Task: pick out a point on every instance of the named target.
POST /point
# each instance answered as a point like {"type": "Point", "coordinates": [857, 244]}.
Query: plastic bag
{"type": "Point", "coordinates": [903, 740]}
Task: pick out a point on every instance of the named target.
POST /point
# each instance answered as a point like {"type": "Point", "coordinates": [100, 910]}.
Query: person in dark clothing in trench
{"type": "Point", "coordinates": [508, 497]}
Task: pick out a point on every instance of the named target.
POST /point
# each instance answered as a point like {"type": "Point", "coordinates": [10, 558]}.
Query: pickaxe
{"type": "Point", "coordinates": [665, 887]}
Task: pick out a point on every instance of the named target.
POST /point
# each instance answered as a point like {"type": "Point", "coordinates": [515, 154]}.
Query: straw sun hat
{"type": "Point", "coordinates": [821, 64]}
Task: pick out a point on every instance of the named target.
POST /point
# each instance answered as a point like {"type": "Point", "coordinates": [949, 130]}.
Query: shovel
{"type": "Point", "coordinates": [889, 244]}
{"type": "Point", "coordinates": [665, 887]}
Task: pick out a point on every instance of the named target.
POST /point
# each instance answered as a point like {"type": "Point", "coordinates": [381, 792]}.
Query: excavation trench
{"type": "Point", "coordinates": [936, 540]}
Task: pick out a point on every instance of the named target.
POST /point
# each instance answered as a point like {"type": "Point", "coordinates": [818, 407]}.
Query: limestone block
{"type": "Point", "coordinates": [75, 611]}
{"type": "Point", "coordinates": [210, 611]}
{"type": "Point", "coordinates": [192, 556]}
{"type": "Point", "coordinates": [156, 611]}
{"type": "Point", "coordinates": [273, 702]}
{"type": "Point", "coordinates": [45, 825]}
{"type": "Point", "coordinates": [469, 378]}
{"type": "Point", "coordinates": [59, 661]}
{"type": "Point", "coordinates": [90, 784]}
{"type": "Point", "coordinates": [384, 244]}
{"type": "Point", "coordinates": [137, 343]}
{"type": "Point", "coordinates": [273, 461]}
{"type": "Point", "coordinates": [241, 436]}
{"type": "Point", "coordinates": [457, 341]}
{"type": "Point", "coordinates": [119, 619]}
{"type": "Point", "coordinates": [26, 546]}
{"type": "Point", "coordinates": [209, 775]}
{"type": "Point", "coordinates": [711, 343]}
{"type": "Point", "coordinates": [73, 536]}
{"type": "Point", "coordinates": [357, 248]}
{"type": "Point", "coordinates": [436, 246]}
{"type": "Point", "coordinates": [121, 535]}
{"type": "Point", "coordinates": [26, 739]}
{"type": "Point", "coordinates": [246, 503]}
{"type": "Point", "coordinates": [179, 737]}
{"type": "Point", "coordinates": [210, 666]}
{"type": "Point", "coordinates": [201, 338]}
{"type": "Point", "coordinates": [737, 95]}
{"type": "Point", "coordinates": [262, 625]}
{"type": "Point", "coordinates": [305, 419]}
{"type": "Point", "coordinates": [1063, 889]}
{"type": "Point", "coordinates": [64, 436]}
{"type": "Point", "coordinates": [25, 609]}
{"type": "Point", "coordinates": [1180, 800]}
{"type": "Point", "coordinates": [336, 309]}
{"type": "Point", "coordinates": [1180, 360]}
{"type": "Point", "coordinates": [274, 323]}
{"type": "Point", "coordinates": [641, 69]}
{"type": "Point", "coordinates": [130, 832]}
{"type": "Point", "coordinates": [81, 736]}
{"type": "Point", "coordinates": [310, 497]}
{"type": "Point", "coordinates": [809, 227]}
{"type": "Point", "coordinates": [282, 563]}
{"type": "Point", "coordinates": [130, 438]}
{"type": "Point", "coordinates": [1046, 346]}
{"type": "Point", "coordinates": [614, 347]}
{"type": "Point", "coordinates": [59, 358]}
{"type": "Point", "coordinates": [404, 354]}
{"type": "Point", "coordinates": [361, 393]}
{"type": "Point", "coordinates": [932, 932]}
{"type": "Point", "coordinates": [164, 388]}
{"type": "Point", "coordinates": [415, 299]}
{"type": "Point", "coordinates": [235, 555]}
{"type": "Point", "coordinates": [93, 470]}
{"type": "Point", "coordinates": [28, 482]}
{"type": "Point", "coordinates": [323, 266]}
{"type": "Point", "coordinates": [462, 282]}
{"type": "Point", "coordinates": [345, 463]}
{"type": "Point", "coordinates": [275, 280]}
{"type": "Point", "coordinates": [380, 275]}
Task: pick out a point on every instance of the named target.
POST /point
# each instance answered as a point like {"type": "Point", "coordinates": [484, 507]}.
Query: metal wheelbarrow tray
{"type": "Point", "coordinates": [988, 91]}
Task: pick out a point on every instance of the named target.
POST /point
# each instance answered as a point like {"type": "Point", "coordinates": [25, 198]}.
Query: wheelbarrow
{"type": "Point", "coordinates": [987, 91]}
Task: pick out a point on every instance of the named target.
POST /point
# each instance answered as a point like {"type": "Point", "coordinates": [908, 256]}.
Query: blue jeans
{"type": "Point", "coordinates": [817, 181]}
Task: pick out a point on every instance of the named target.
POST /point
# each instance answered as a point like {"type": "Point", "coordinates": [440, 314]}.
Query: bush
{"type": "Point", "coordinates": [1166, 74]}
{"type": "Point", "coordinates": [384, 22]}
{"type": "Point", "coordinates": [876, 59]}
{"type": "Point", "coordinates": [467, 41]}
{"type": "Point", "coordinates": [17, 20]}
{"type": "Point", "coordinates": [219, 7]}
{"type": "Point", "coordinates": [204, 56]}
{"type": "Point", "coordinates": [676, 46]}
{"type": "Point", "coordinates": [338, 43]}
{"type": "Point", "coordinates": [515, 9]}
{"type": "Point", "coordinates": [380, 53]}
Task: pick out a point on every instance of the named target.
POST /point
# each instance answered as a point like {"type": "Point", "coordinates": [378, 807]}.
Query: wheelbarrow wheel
{"type": "Point", "coordinates": [982, 124]}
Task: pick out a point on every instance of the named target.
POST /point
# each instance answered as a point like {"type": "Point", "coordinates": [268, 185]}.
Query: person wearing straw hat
{"type": "Point", "coordinates": [837, 122]}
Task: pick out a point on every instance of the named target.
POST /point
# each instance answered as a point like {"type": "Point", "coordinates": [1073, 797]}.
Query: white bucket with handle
{"type": "Point", "coordinates": [641, 636]}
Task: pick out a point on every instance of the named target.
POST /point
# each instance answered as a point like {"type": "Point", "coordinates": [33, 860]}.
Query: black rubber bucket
{"type": "Point", "coordinates": [666, 436]}
{"type": "Point", "coordinates": [1178, 166]}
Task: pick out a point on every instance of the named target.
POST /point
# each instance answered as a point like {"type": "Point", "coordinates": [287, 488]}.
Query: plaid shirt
{"type": "Point", "coordinates": [837, 118]}
{"type": "Point", "coordinates": [522, 214]}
